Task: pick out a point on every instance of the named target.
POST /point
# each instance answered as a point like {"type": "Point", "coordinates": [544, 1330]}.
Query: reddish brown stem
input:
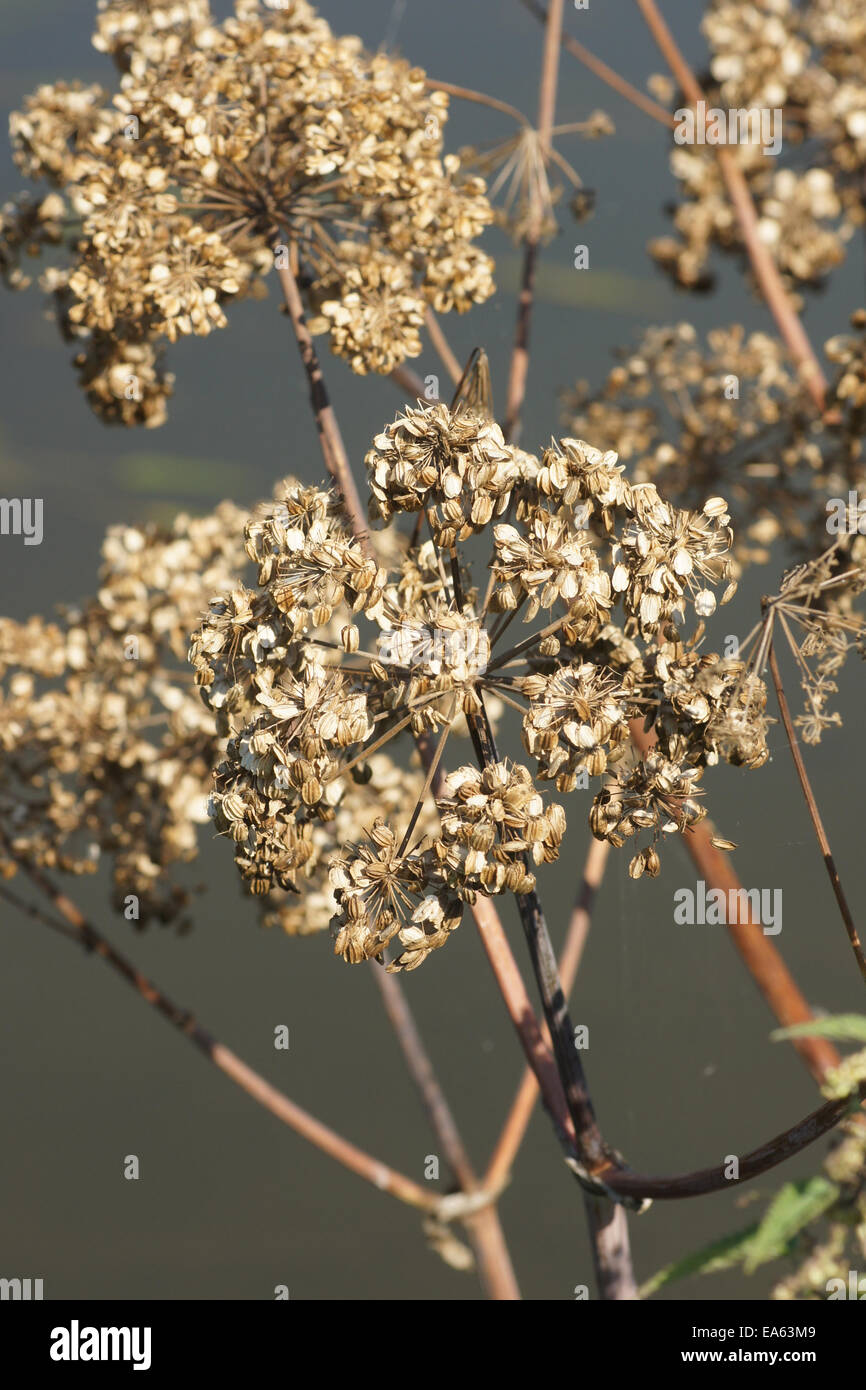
{"type": "Point", "coordinates": [522, 1106]}
{"type": "Point", "coordinates": [380, 1174]}
{"type": "Point", "coordinates": [333, 449]}
{"type": "Point", "coordinates": [815, 815]}
{"type": "Point", "coordinates": [605, 72]}
{"type": "Point", "coordinates": [760, 956]}
{"type": "Point", "coordinates": [763, 265]}
{"type": "Point", "coordinates": [483, 1227]}
{"type": "Point", "coordinates": [546, 108]}
{"type": "Point", "coordinates": [443, 347]}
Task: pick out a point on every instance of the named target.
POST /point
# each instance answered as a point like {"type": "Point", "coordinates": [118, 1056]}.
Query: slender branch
{"type": "Point", "coordinates": [606, 73]}
{"type": "Point", "coordinates": [815, 814]}
{"type": "Point", "coordinates": [333, 449]}
{"type": "Point", "coordinates": [763, 265]}
{"type": "Point", "coordinates": [443, 347]}
{"type": "Point", "coordinates": [519, 368]}
{"type": "Point", "coordinates": [373, 1170]}
{"type": "Point", "coordinates": [481, 98]}
{"type": "Point", "coordinates": [607, 1222]}
{"type": "Point", "coordinates": [611, 1249]}
{"type": "Point", "coordinates": [760, 956]}
{"type": "Point", "coordinates": [407, 380]}
{"type": "Point", "coordinates": [593, 1153]}
{"type": "Point", "coordinates": [751, 1165]}
{"type": "Point", "coordinates": [517, 1121]}
{"type": "Point", "coordinates": [522, 1014]}
{"type": "Point", "coordinates": [483, 1228]}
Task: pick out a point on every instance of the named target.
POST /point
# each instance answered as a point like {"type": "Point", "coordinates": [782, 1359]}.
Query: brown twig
{"type": "Point", "coordinates": [480, 98]}
{"type": "Point", "coordinates": [373, 1170]}
{"type": "Point", "coordinates": [762, 959]}
{"type": "Point", "coordinates": [815, 815]}
{"type": "Point", "coordinates": [517, 1120]}
{"type": "Point", "coordinates": [333, 449]}
{"type": "Point", "coordinates": [483, 1227]}
{"type": "Point", "coordinates": [486, 1232]}
{"type": "Point", "coordinates": [611, 1249]}
{"type": "Point", "coordinates": [751, 1165]}
{"type": "Point", "coordinates": [519, 368]}
{"type": "Point", "coordinates": [763, 265]}
{"type": "Point", "coordinates": [442, 346]}
{"type": "Point", "coordinates": [407, 380]}
{"type": "Point", "coordinates": [606, 73]}
{"type": "Point", "coordinates": [607, 1222]}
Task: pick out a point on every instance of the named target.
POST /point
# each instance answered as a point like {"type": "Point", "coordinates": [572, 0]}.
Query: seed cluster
{"type": "Point", "coordinates": [346, 643]}
{"type": "Point", "coordinates": [227, 147]}
{"type": "Point", "coordinates": [807, 61]}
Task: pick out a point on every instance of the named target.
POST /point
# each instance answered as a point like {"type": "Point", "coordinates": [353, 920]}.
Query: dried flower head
{"type": "Point", "coordinates": [230, 149]}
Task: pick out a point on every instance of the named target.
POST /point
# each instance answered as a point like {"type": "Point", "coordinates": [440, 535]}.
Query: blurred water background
{"type": "Point", "coordinates": [230, 1203]}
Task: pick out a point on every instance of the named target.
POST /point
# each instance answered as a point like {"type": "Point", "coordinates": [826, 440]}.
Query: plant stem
{"type": "Point", "coordinates": [606, 73]}
{"type": "Point", "coordinates": [607, 1222]}
{"type": "Point", "coordinates": [373, 1170]}
{"type": "Point", "coordinates": [760, 956]}
{"type": "Point", "coordinates": [483, 1228]}
{"type": "Point", "coordinates": [481, 98]}
{"type": "Point", "coordinates": [443, 347]}
{"type": "Point", "coordinates": [763, 265]}
{"type": "Point", "coordinates": [611, 1249]}
{"type": "Point", "coordinates": [815, 815]}
{"type": "Point", "coordinates": [333, 449]}
{"type": "Point", "coordinates": [522, 1106]}
{"type": "Point", "coordinates": [546, 107]}
{"type": "Point", "coordinates": [407, 380]}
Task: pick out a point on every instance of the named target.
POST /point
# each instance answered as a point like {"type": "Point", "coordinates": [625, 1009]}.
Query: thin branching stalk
{"type": "Point", "coordinates": [605, 72]}
{"type": "Point", "coordinates": [815, 816]}
{"type": "Point", "coordinates": [373, 1170]}
{"type": "Point", "coordinates": [333, 449]}
{"type": "Point", "coordinates": [760, 956]}
{"type": "Point", "coordinates": [766, 273]}
{"type": "Point", "coordinates": [546, 107]}
{"type": "Point", "coordinates": [483, 1227]}
{"type": "Point", "coordinates": [481, 98]}
{"type": "Point", "coordinates": [517, 1120]}
{"type": "Point", "coordinates": [407, 380]}
{"type": "Point", "coordinates": [442, 346]}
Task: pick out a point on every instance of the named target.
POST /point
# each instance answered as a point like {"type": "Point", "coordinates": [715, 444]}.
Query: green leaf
{"type": "Point", "coordinates": [842, 1027]}
{"type": "Point", "coordinates": [793, 1207]}
{"type": "Point", "coordinates": [722, 1254]}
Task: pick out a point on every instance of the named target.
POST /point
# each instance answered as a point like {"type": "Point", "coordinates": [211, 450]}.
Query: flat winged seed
{"type": "Point", "coordinates": [705, 603]}
{"type": "Point", "coordinates": [326, 727]}
{"type": "Point", "coordinates": [715, 506]}
{"type": "Point", "coordinates": [650, 609]}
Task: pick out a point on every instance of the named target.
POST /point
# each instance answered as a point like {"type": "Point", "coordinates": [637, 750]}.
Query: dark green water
{"type": "Point", "coordinates": [230, 1203]}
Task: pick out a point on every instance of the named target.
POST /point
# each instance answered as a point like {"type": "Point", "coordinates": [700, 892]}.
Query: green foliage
{"type": "Point", "coordinates": [721, 1254]}
{"type": "Point", "coordinates": [791, 1210]}
{"type": "Point", "coordinates": [841, 1027]}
